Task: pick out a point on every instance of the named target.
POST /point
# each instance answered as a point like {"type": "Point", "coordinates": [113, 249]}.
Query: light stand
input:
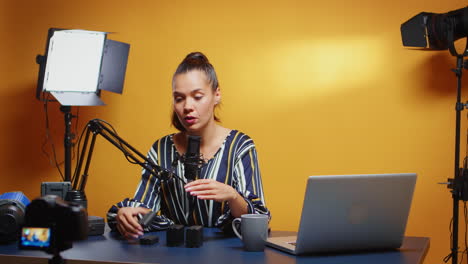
{"type": "Point", "coordinates": [68, 140]}
{"type": "Point", "coordinates": [459, 183]}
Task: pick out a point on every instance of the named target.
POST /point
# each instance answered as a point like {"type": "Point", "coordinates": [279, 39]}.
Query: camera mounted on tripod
{"type": "Point", "coordinates": [51, 225]}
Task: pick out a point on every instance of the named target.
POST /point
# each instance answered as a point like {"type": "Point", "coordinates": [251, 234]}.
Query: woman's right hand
{"type": "Point", "coordinates": [127, 221]}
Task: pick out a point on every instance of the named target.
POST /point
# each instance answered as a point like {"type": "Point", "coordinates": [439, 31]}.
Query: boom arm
{"type": "Point", "coordinates": [97, 127]}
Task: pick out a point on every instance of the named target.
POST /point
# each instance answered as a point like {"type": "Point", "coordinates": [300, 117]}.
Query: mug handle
{"type": "Point", "coordinates": [234, 227]}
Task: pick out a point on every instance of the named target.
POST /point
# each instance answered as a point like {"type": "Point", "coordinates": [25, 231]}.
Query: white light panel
{"type": "Point", "coordinates": [74, 61]}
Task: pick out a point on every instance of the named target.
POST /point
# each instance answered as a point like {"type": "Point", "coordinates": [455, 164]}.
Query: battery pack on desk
{"type": "Point", "coordinates": [96, 226]}
{"type": "Point", "coordinates": [175, 236]}
{"type": "Point", "coordinates": [149, 239]}
{"type": "Point", "coordinates": [194, 236]}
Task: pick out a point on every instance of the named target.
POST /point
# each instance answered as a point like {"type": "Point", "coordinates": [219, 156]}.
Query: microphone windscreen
{"type": "Point", "coordinates": [193, 146]}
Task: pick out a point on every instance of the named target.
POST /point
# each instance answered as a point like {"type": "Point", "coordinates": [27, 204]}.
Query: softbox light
{"type": "Point", "coordinates": [78, 64]}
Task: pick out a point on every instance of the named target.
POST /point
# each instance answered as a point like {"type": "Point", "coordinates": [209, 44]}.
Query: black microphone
{"type": "Point", "coordinates": [192, 164]}
{"type": "Point", "coordinates": [192, 158]}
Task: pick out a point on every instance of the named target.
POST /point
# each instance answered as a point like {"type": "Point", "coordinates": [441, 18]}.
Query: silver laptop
{"type": "Point", "coordinates": [351, 213]}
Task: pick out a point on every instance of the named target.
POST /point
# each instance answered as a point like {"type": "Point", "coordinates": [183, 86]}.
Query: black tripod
{"type": "Point", "coordinates": [57, 259]}
{"type": "Point", "coordinates": [68, 140]}
{"type": "Point", "coordinates": [458, 185]}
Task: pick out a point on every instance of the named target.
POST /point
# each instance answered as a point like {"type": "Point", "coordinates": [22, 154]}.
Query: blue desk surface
{"type": "Point", "coordinates": [216, 249]}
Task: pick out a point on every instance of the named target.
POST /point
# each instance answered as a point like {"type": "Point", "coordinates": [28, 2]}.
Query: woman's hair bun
{"type": "Point", "coordinates": [196, 58]}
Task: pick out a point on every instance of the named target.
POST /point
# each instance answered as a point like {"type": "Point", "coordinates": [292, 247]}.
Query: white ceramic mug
{"type": "Point", "coordinates": [254, 230]}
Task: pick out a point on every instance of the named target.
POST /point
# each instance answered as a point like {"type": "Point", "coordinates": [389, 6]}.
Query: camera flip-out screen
{"type": "Point", "coordinates": [35, 238]}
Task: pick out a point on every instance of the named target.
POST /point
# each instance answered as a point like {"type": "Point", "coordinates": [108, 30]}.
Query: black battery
{"type": "Point", "coordinates": [96, 225]}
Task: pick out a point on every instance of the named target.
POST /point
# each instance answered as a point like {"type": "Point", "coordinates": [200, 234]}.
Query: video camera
{"type": "Point", "coordinates": [51, 224]}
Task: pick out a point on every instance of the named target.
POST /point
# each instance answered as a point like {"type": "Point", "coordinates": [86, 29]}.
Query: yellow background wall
{"type": "Point", "coordinates": [323, 87]}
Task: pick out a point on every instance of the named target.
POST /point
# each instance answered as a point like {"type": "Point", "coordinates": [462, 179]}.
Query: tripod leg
{"type": "Point", "coordinates": [57, 259]}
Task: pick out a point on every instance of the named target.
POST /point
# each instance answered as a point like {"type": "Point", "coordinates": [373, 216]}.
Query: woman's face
{"type": "Point", "coordinates": [194, 100]}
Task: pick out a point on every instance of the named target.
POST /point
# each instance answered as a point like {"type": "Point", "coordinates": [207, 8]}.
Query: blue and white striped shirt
{"type": "Point", "coordinates": [235, 164]}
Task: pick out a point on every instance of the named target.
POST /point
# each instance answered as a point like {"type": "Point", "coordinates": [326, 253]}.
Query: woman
{"type": "Point", "coordinates": [229, 184]}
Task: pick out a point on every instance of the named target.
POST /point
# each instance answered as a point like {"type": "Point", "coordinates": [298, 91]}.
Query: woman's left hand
{"type": "Point", "coordinates": [207, 189]}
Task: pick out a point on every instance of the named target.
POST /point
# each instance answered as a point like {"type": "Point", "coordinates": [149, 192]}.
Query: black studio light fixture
{"type": "Point", "coordinates": [433, 31]}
